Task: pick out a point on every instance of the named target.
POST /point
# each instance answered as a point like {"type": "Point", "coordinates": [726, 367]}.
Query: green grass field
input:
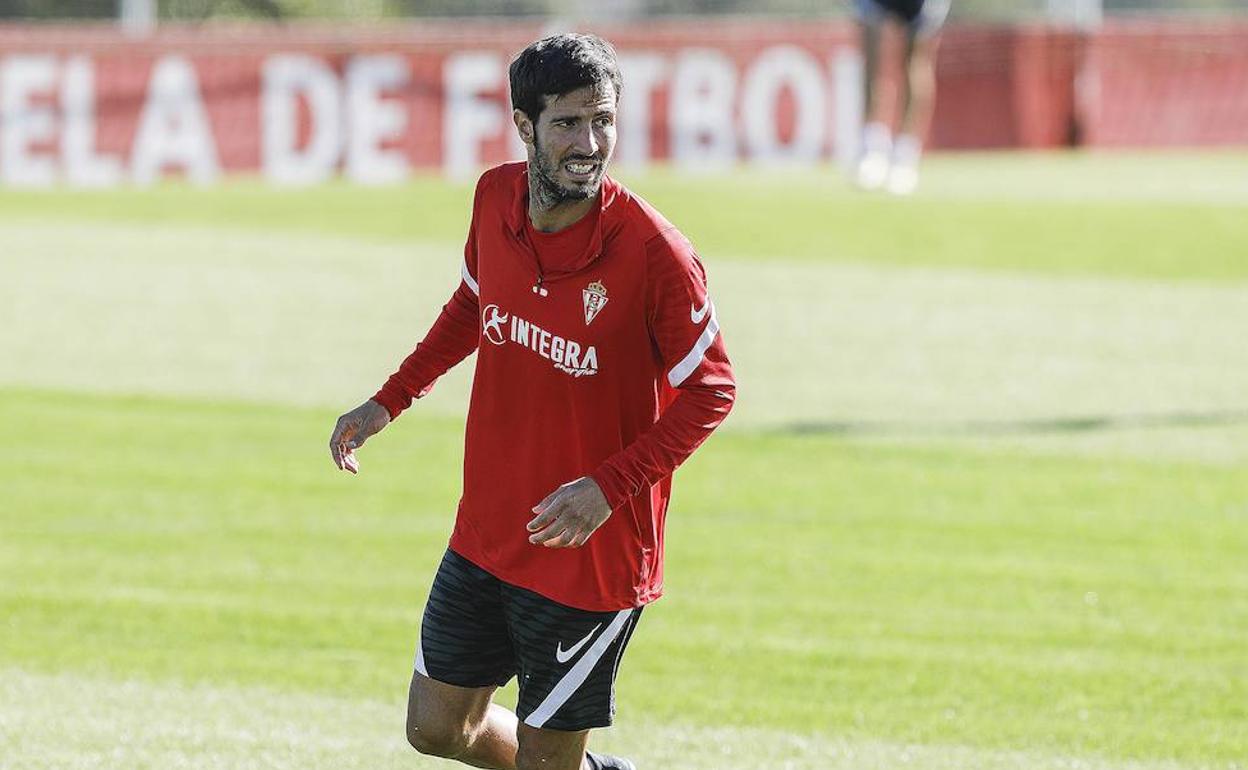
{"type": "Point", "coordinates": [983, 502]}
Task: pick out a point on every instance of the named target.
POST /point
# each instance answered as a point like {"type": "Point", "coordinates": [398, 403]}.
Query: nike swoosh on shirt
{"type": "Point", "coordinates": [563, 656]}
{"type": "Point", "coordinates": [696, 315]}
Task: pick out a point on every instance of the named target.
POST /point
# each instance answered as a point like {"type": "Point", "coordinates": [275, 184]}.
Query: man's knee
{"type": "Point", "coordinates": [437, 738]}
{"type": "Point", "coordinates": [442, 719]}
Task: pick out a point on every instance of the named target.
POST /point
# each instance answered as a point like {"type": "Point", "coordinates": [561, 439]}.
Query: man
{"type": "Point", "coordinates": [600, 368]}
{"type": "Point", "coordinates": [884, 162]}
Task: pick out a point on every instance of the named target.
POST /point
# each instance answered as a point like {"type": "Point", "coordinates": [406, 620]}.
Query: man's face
{"type": "Point", "coordinates": [573, 141]}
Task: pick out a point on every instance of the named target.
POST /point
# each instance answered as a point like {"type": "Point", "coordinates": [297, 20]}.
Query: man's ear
{"type": "Point", "coordinates": [524, 126]}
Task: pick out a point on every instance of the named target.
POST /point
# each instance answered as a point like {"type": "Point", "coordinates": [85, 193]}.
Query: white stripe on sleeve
{"type": "Point", "coordinates": [468, 280]}
{"type": "Point", "coordinates": [682, 370]}
{"type": "Point", "coordinates": [579, 672]}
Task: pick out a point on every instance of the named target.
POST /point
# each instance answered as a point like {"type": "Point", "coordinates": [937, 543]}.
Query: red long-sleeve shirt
{"type": "Point", "coordinates": [609, 365]}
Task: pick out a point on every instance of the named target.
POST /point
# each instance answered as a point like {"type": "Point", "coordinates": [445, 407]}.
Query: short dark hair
{"type": "Point", "coordinates": [555, 65]}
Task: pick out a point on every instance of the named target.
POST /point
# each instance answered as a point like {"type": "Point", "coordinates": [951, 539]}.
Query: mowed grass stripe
{"type": "Point", "coordinates": [1100, 365]}
{"type": "Point", "coordinates": [70, 722]}
{"type": "Point", "coordinates": [817, 587]}
{"type": "Point", "coordinates": [1177, 217]}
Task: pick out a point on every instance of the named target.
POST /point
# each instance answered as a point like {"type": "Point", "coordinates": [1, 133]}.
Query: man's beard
{"type": "Point", "coordinates": [548, 190]}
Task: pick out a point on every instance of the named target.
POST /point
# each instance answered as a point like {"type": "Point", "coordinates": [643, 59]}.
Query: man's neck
{"type": "Point", "coordinates": [550, 218]}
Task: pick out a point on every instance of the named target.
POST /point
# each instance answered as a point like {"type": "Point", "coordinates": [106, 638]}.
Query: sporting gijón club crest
{"type": "Point", "coordinates": [595, 298]}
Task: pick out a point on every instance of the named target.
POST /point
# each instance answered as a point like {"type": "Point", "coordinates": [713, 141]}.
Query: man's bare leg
{"type": "Point", "coordinates": [542, 749]}
{"type": "Point", "coordinates": [460, 723]}
{"type": "Point", "coordinates": [919, 88]}
{"type": "Point", "coordinates": [463, 724]}
{"type": "Point", "coordinates": [869, 35]}
{"type": "Point", "coordinates": [871, 168]}
{"type": "Point", "coordinates": [918, 97]}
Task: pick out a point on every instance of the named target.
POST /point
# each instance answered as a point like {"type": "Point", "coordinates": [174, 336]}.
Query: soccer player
{"type": "Point", "coordinates": [884, 162]}
{"type": "Point", "coordinates": [600, 368]}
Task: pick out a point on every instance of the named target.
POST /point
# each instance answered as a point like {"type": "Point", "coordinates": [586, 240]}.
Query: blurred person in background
{"type": "Point", "coordinates": [600, 368]}
{"type": "Point", "coordinates": [890, 159]}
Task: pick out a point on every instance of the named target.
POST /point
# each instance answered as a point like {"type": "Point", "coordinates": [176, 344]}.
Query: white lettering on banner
{"type": "Point", "coordinates": [642, 72]}
{"type": "Point", "coordinates": [374, 120]}
{"type": "Point", "coordinates": [701, 109]}
{"type": "Point", "coordinates": [84, 167]}
{"type": "Point", "coordinates": [286, 78]}
{"type": "Point", "coordinates": [173, 127]}
{"type": "Point", "coordinates": [780, 67]}
{"type": "Point", "coordinates": [717, 108]}
{"type": "Point", "coordinates": [469, 116]}
{"type": "Point", "coordinates": [24, 122]}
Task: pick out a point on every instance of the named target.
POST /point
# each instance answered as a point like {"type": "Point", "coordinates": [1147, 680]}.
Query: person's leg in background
{"type": "Point", "coordinates": [871, 170]}
{"type": "Point", "coordinates": [918, 99]}
{"type": "Point", "coordinates": [917, 96]}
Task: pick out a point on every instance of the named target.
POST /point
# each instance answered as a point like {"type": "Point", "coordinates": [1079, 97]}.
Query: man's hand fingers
{"type": "Point", "coordinates": [342, 432]}
{"type": "Point", "coordinates": [557, 536]}
{"type": "Point", "coordinates": [352, 430]}
{"type": "Point", "coordinates": [347, 437]}
{"type": "Point", "coordinates": [547, 511]}
{"type": "Point", "coordinates": [547, 501]}
{"type": "Point", "coordinates": [570, 530]}
{"type": "Point", "coordinates": [555, 528]}
{"type": "Point", "coordinates": [551, 525]}
{"type": "Point", "coordinates": [565, 539]}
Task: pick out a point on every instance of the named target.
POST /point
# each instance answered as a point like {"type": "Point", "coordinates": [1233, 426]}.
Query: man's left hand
{"type": "Point", "coordinates": [569, 515]}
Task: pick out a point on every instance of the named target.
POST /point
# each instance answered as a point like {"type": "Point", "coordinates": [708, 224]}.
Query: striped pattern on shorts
{"type": "Point", "coordinates": [478, 631]}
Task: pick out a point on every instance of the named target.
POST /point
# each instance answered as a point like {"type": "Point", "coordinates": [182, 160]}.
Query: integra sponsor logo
{"type": "Point", "coordinates": [567, 355]}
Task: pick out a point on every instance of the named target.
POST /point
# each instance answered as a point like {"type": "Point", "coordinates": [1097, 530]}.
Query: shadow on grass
{"type": "Point", "coordinates": [1058, 425]}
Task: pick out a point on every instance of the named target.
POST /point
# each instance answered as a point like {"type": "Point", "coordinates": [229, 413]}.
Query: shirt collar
{"type": "Point", "coordinates": [518, 215]}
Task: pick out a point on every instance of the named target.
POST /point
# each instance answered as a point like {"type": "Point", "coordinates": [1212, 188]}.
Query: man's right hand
{"type": "Point", "coordinates": [352, 430]}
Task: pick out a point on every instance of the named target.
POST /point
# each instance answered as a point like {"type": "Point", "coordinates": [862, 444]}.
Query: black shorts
{"type": "Point", "coordinates": [479, 631]}
{"type": "Point", "coordinates": [922, 17]}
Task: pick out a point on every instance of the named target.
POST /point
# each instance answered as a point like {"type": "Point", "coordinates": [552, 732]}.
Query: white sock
{"type": "Point", "coordinates": [876, 138]}
{"type": "Point", "coordinates": [907, 149]}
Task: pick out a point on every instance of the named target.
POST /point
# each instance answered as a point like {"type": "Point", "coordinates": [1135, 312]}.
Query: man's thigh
{"type": "Point", "coordinates": [441, 716]}
{"type": "Point", "coordinates": [567, 661]}
{"type": "Point", "coordinates": [464, 653]}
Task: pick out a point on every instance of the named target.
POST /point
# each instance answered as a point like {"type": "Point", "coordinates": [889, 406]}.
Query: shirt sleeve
{"type": "Point", "coordinates": [453, 336]}
{"type": "Point", "coordinates": [697, 385]}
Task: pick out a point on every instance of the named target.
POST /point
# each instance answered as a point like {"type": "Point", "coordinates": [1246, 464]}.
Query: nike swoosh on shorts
{"type": "Point", "coordinates": [563, 656]}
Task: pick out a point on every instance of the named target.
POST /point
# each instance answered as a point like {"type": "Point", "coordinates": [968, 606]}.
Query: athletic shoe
{"type": "Point", "coordinates": [877, 146]}
{"type": "Point", "coordinates": [872, 171]}
{"type": "Point", "coordinates": [902, 179]}
{"type": "Point", "coordinates": [903, 175]}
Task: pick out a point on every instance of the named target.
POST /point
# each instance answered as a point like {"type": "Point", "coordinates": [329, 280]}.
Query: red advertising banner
{"type": "Point", "coordinates": [1166, 84]}
{"type": "Point", "coordinates": [299, 106]}
{"type": "Point", "coordinates": [89, 106]}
